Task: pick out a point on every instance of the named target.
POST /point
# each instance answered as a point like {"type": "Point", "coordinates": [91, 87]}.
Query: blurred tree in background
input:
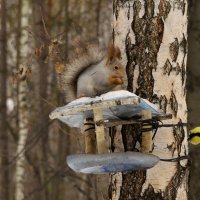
{"type": "Point", "coordinates": [33, 148]}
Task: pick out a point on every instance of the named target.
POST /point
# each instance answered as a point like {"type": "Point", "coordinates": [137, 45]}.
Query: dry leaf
{"type": "Point", "coordinates": [59, 68]}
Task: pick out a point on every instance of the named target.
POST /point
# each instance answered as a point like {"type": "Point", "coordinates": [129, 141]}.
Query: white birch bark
{"type": "Point", "coordinates": [167, 87]}
{"type": "Point", "coordinates": [23, 104]}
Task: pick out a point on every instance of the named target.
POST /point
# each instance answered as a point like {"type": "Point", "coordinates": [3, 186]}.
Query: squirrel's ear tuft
{"type": "Point", "coordinates": [110, 53]}
{"type": "Point", "coordinates": [113, 53]}
{"type": "Point", "coordinates": [117, 53]}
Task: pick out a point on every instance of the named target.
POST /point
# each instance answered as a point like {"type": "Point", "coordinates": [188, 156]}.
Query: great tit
{"type": "Point", "coordinates": [194, 136]}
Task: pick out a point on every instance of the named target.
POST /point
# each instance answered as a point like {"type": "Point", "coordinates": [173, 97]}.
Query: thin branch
{"type": "Point", "coordinates": [44, 25]}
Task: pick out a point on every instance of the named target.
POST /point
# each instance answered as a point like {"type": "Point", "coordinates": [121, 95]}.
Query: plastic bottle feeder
{"type": "Point", "coordinates": [107, 110]}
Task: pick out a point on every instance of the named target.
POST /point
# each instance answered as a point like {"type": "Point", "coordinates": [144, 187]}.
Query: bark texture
{"type": "Point", "coordinates": [153, 36]}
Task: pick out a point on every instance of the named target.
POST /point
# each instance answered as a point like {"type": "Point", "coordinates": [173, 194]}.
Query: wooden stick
{"type": "Point", "coordinates": [90, 137]}
{"type": "Point", "coordinates": [100, 131]}
{"type": "Point", "coordinates": [146, 136]}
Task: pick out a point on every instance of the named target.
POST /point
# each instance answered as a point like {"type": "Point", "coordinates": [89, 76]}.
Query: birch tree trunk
{"type": "Point", "coordinates": [22, 98]}
{"type": "Point", "coordinates": [4, 151]}
{"type": "Point", "coordinates": [153, 36]}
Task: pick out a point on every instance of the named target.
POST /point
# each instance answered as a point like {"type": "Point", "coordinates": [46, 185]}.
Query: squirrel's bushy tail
{"type": "Point", "coordinates": [85, 55]}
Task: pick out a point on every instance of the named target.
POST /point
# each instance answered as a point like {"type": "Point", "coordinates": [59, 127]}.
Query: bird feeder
{"type": "Point", "coordinates": [110, 109]}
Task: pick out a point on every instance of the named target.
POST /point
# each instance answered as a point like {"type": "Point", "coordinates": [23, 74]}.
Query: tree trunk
{"type": "Point", "coordinates": [40, 25]}
{"type": "Point", "coordinates": [4, 151]}
{"type": "Point", "coordinates": [153, 36]}
{"type": "Point", "coordinates": [22, 97]}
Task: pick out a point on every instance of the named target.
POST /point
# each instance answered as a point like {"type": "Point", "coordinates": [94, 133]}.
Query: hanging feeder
{"type": "Point", "coordinates": [110, 109]}
{"type": "Point", "coordinates": [116, 105]}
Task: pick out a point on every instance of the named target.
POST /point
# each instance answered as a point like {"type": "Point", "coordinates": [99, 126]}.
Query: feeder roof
{"type": "Point", "coordinates": [115, 105]}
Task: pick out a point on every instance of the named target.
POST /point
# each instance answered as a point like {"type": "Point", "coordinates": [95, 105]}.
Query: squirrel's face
{"type": "Point", "coordinates": [116, 72]}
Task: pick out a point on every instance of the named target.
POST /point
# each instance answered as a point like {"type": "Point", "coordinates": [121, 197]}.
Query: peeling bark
{"type": "Point", "coordinates": [153, 36]}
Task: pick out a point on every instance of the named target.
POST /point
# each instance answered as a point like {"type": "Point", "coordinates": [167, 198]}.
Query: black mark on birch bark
{"type": "Point", "coordinates": [167, 67]}
{"type": "Point", "coordinates": [123, 1]}
{"type": "Point", "coordinates": [179, 4]}
{"type": "Point", "coordinates": [179, 135]}
{"type": "Point", "coordinates": [148, 32]}
{"type": "Point", "coordinates": [173, 103]}
{"type": "Point", "coordinates": [164, 8]}
{"type": "Point", "coordinates": [155, 99]}
{"type": "Point", "coordinates": [128, 11]}
{"type": "Point", "coordinates": [178, 69]}
{"type": "Point", "coordinates": [112, 134]}
{"type": "Point", "coordinates": [183, 73]}
{"type": "Point", "coordinates": [130, 63]}
{"type": "Point", "coordinates": [172, 148]}
{"type": "Point", "coordinates": [132, 184]}
{"type": "Point", "coordinates": [116, 8]}
{"type": "Point", "coordinates": [183, 45]}
{"type": "Point", "coordinates": [113, 34]}
{"type": "Point", "coordinates": [183, 48]}
{"type": "Point", "coordinates": [163, 103]}
{"type": "Point", "coordinates": [130, 135]}
{"type": "Point", "coordinates": [173, 50]}
{"type": "Point", "coordinates": [150, 193]}
{"type": "Point", "coordinates": [176, 181]}
{"type": "Point", "coordinates": [117, 4]}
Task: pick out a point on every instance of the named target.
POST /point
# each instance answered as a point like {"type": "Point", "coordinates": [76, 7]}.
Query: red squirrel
{"type": "Point", "coordinates": [93, 73]}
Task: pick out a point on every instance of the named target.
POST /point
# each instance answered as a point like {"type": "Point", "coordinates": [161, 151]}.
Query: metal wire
{"type": "Point", "coordinates": [155, 124]}
{"type": "Point", "coordinates": [176, 159]}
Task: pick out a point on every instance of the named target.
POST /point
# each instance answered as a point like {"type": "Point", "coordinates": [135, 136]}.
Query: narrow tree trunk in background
{"type": "Point", "coordinates": [18, 33]}
{"type": "Point", "coordinates": [23, 133]}
{"type": "Point", "coordinates": [18, 53]}
{"type": "Point", "coordinates": [56, 183]}
{"type": "Point", "coordinates": [43, 123]}
{"type": "Point", "coordinates": [153, 34]}
{"type": "Point", "coordinates": [43, 111]}
{"type": "Point", "coordinates": [4, 184]}
{"type": "Point", "coordinates": [49, 9]}
{"type": "Point", "coordinates": [22, 54]}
